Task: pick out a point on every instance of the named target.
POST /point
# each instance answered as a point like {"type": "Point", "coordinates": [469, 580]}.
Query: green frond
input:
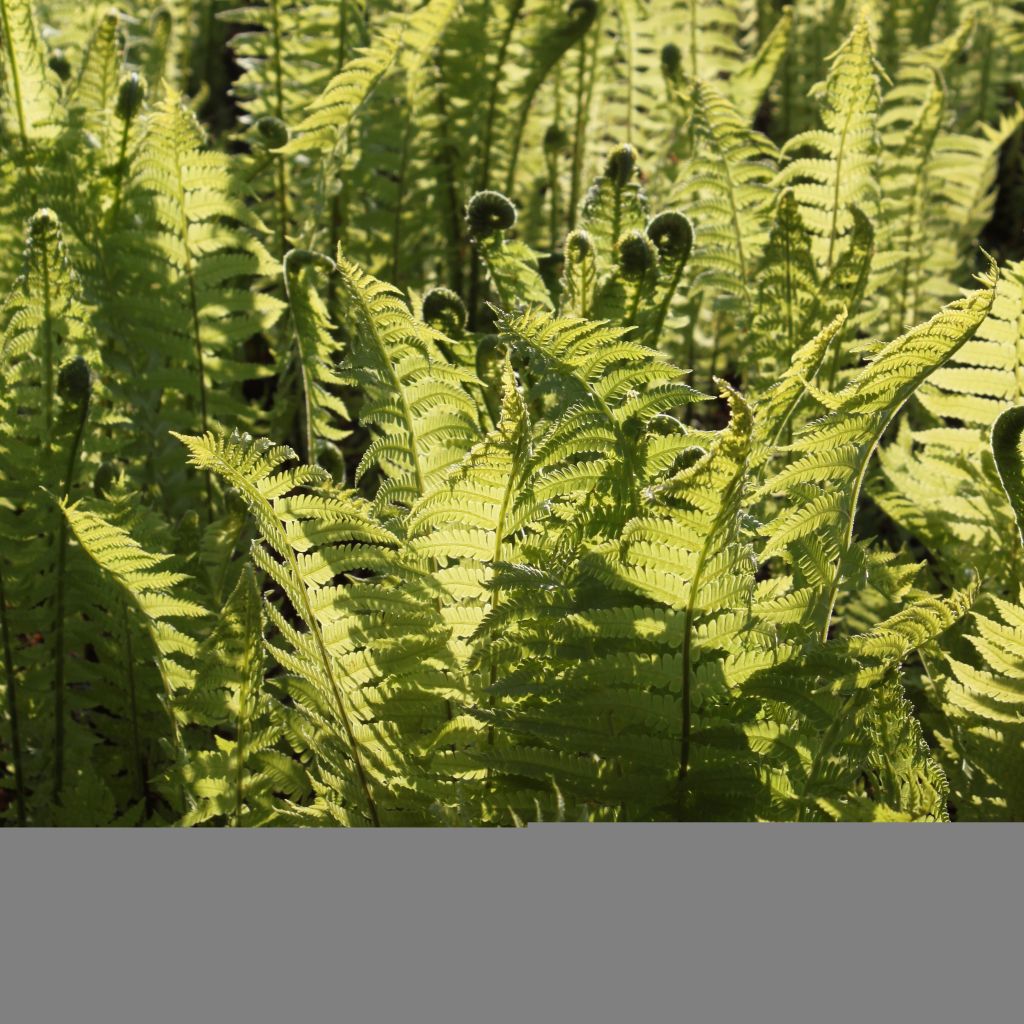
{"type": "Point", "coordinates": [31, 113]}
{"type": "Point", "coordinates": [418, 405]}
{"type": "Point", "coordinates": [318, 405]}
{"type": "Point", "coordinates": [749, 84]}
{"type": "Point", "coordinates": [831, 455]}
{"type": "Point", "coordinates": [726, 190]}
{"type": "Point", "coordinates": [96, 88]}
{"type": "Point", "coordinates": [323, 128]}
{"type": "Point", "coordinates": [354, 666]}
{"type": "Point", "coordinates": [235, 777]}
{"type": "Point", "coordinates": [839, 173]}
{"type": "Point", "coordinates": [153, 591]}
{"type": "Point", "coordinates": [788, 304]}
{"type": "Point", "coordinates": [187, 306]}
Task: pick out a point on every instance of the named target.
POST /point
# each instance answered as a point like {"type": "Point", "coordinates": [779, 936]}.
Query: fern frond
{"type": "Point", "coordinates": [832, 454]}
{"type": "Point", "coordinates": [418, 404]}
{"type": "Point", "coordinates": [749, 84]}
{"type": "Point", "coordinates": [30, 113]}
{"type": "Point", "coordinates": [323, 127]}
{"type": "Point", "coordinates": [363, 650]}
{"type": "Point", "coordinates": [726, 190]}
{"type": "Point", "coordinates": [789, 300]}
{"type": "Point", "coordinates": [235, 776]}
{"type": "Point", "coordinates": [840, 174]}
{"type": "Point", "coordinates": [186, 308]}
{"type": "Point", "coordinates": [312, 367]}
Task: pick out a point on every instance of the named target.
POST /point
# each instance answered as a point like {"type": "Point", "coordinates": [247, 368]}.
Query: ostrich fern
{"type": "Point", "coordinates": [471, 413]}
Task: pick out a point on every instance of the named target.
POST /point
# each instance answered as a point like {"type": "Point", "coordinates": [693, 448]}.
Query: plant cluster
{"type": "Point", "coordinates": [476, 412]}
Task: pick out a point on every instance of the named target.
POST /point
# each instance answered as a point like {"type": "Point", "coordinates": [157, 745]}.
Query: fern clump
{"type": "Point", "coordinates": [477, 413]}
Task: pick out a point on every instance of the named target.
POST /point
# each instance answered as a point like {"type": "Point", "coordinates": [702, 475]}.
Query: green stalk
{"type": "Point", "coordinates": [666, 305]}
{"type": "Point", "coordinates": [584, 93]}
{"type": "Point", "coordinates": [122, 162]}
{"type": "Point", "coordinates": [447, 186]}
{"type": "Point", "coordinates": [476, 272]}
{"type": "Point", "coordinates": [137, 768]}
{"type": "Point", "coordinates": [59, 606]}
{"type": "Point", "coordinates": [396, 229]}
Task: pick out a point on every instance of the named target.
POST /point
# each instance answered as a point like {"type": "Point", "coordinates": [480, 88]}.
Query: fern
{"type": "Point", "coordinates": [32, 112]}
{"type": "Point", "coordinates": [346, 672]}
{"type": "Point", "coordinates": [317, 405]}
{"type": "Point", "coordinates": [148, 585]}
{"type": "Point", "coordinates": [47, 344]}
{"type": "Point", "coordinates": [417, 402]}
{"type": "Point", "coordinates": [830, 457]}
{"type": "Point", "coordinates": [840, 175]}
{"type": "Point", "coordinates": [197, 255]}
{"type": "Point", "coordinates": [729, 179]}
{"type": "Point", "coordinates": [236, 776]}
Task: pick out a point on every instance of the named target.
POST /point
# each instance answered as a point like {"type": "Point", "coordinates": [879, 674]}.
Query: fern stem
{"type": "Point", "coordinates": [687, 659]}
{"type": "Point", "coordinates": [12, 707]}
{"type": "Point", "coordinates": [122, 162]}
{"type": "Point", "coordinates": [275, 45]}
{"type": "Point", "coordinates": [847, 543]}
{"type": "Point", "coordinates": [837, 353]}
{"type": "Point", "coordinates": [499, 537]}
{"type": "Point", "coordinates": [694, 36]}
{"type": "Point", "coordinates": [584, 90]}
{"type": "Point", "coordinates": [495, 91]}
{"type": "Point", "coordinates": [59, 607]}
{"type": "Point", "coordinates": [306, 429]}
{"type": "Point", "coordinates": [16, 88]}
{"type": "Point", "coordinates": [27, 164]}
{"type": "Point", "coordinates": [396, 229]}
{"type": "Point", "coordinates": [476, 273]}
{"type": "Point", "coordinates": [201, 366]}
{"type": "Point", "coordinates": [986, 57]}
{"type": "Point", "coordinates": [281, 184]}
{"type": "Point", "coordinates": [634, 308]}
{"type": "Point", "coordinates": [554, 192]}
{"type": "Point", "coordinates": [48, 359]}
{"type": "Point", "coordinates": [449, 187]}
{"type": "Point", "coordinates": [137, 767]}
{"type": "Point", "coordinates": [833, 232]}
{"type": "Point", "coordinates": [630, 84]}
{"type": "Point", "coordinates": [715, 345]}
{"type": "Point", "coordinates": [661, 315]}
{"type": "Point", "coordinates": [281, 181]}
{"type": "Point", "coordinates": [616, 214]}
{"type": "Point", "coordinates": [241, 721]}
{"type": "Point", "coordinates": [693, 307]}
